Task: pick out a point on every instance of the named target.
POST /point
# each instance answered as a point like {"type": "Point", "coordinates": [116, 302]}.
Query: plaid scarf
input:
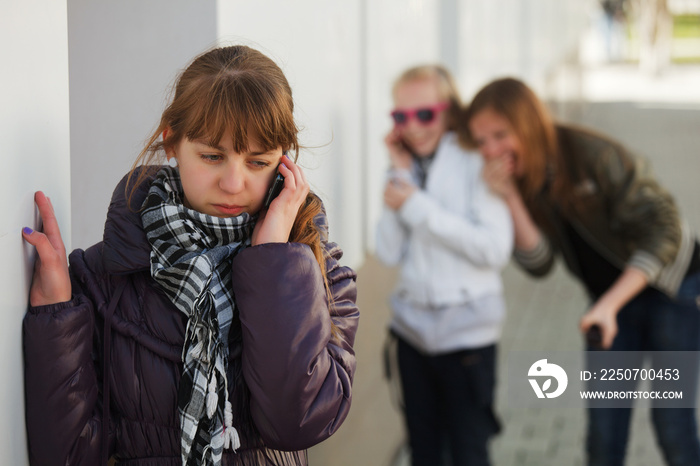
{"type": "Point", "coordinates": [191, 261]}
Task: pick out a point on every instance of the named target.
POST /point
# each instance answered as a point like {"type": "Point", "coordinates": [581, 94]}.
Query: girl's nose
{"type": "Point", "coordinates": [412, 125]}
{"type": "Point", "coordinates": [232, 180]}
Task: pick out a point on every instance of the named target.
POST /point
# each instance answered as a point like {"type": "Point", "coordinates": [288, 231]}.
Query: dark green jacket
{"type": "Point", "coordinates": [619, 209]}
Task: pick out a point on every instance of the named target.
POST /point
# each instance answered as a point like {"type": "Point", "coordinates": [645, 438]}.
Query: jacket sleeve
{"type": "Point", "coordinates": [641, 211]}
{"type": "Point", "coordinates": [484, 236]}
{"type": "Point", "coordinates": [299, 369]}
{"type": "Point", "coordinates": [391, 238]}
{"type": "Point", "coordinates": [538, 261]}
{"type": "Point", "coordinates": [61, 390]}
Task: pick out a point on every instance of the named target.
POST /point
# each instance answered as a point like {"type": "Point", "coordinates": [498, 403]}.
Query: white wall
{"type": "Point", "coordinates": [123, 58]}
{"type": "Point", "coordinates": [521, 38]}
{"type": "Point", "coordinates": [35, 156]}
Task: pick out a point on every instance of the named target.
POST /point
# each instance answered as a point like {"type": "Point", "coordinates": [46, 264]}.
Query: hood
{"type": "Point", "coordinates": [126, 248]}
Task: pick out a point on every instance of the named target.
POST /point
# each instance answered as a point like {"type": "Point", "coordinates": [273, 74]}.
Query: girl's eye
{"type": "Point", "coordinates": [260, 163]}
{"type": "Point", "coordinates": [211, 157]}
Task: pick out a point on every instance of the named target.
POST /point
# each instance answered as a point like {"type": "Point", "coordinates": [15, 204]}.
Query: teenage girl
{"type": "Point", "coordinates": [207, 327]}
{"type": "Point", "coordinates": [451, 237]}
{"type": "Point", "coordinates": [585, 197]}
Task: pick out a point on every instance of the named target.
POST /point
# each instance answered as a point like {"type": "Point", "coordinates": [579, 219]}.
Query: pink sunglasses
{"type": "Point", "coordinates": [425, 115]}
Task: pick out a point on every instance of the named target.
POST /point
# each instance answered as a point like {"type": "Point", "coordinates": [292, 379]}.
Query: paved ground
{"type": "Point", "coordinates": [543, 315]}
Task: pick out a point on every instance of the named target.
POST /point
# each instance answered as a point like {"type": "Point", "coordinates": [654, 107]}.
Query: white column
{"type": "Point", "coordinates": [124, 56]}
{"type": "Point", "coordinates": [35, 156]}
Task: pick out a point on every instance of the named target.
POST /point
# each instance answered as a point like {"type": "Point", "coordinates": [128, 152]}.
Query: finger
{"type": "Point", "coordinates": [399, 183]}
{"type": "Point", "coordinates": [393, 190]}
{"type": "Point", "coordinates": [289, 176]}
{"type": "Point", "coordinates": [489, 171]}
{"type": "Point", "coordinates": [302, 176]}
{"type": "Point", "coordinates": [503, 171]}
{"type": "Point", "coordinates": [286, 158]}
{"type": "Point", "coordinates": [291, 164]}
{"type": "Point", "coordinates": [394, 134]}
{"type": "Point", "coordinates": [510, 165]}
{"type": "Point", "coordinates": [403, 187]}
{"type": "Point", "coordinates": [493, 171]}
{"type": "Point", "coordinates": [387, 190]}
{"type": "Point", "coordinates": [390, 138]}
{"type": "Point", "coordinates": [393, 142]}
{"type": "Point", "coordinates": [608, 337]}
{"type": "Point", "coordinates": [48, 218]}
{"type": "Point", "coordinates": [44, 248]}
{"type": "Point", "coordinates": [506, 168]}
{"type": "Point", "coordinates": [300, 180]}
{"type": "Point", "coordinates": [584, 324]}
{"type": "Point", "coordinates": [502, 165]}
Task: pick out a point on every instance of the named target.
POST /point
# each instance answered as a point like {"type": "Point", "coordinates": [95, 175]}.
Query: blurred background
{"type": "Point", "coordinates": [83, 84]}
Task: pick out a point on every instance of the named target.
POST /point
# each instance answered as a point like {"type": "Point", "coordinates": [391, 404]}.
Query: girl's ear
{"type": "Point", "coordinates": [169, 150]}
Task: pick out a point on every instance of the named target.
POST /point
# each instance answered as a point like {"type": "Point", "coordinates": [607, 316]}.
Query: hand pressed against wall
{"type": "Point", "coordinates": [51, 281]}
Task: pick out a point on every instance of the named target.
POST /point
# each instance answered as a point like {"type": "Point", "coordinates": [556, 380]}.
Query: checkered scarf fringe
{"type": "Point", "coordinates": [191, 261]}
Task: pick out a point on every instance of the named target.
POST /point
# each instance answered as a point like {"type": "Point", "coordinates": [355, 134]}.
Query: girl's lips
{"type": "Point", "coordinates": [229, 209]}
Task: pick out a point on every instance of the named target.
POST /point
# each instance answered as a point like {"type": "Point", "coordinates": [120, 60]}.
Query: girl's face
{"type": "Point", "coordinates": [421, 137]}
{"type": "Point", "coordinates": [220, 182]}
{"type": "Point", "coordinates": [495, 138]}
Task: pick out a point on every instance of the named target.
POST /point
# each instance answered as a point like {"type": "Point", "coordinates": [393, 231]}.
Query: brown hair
{"type": "Point", "coordinates": [239, 91]}
{"type": "Point", "coordinates": [235, 90]}
{"type": "Point", "coordinates": [446, 88]}
{"type": "Point", "coordinates": [533, 127]}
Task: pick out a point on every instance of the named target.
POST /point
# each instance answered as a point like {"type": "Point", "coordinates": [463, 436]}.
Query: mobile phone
{"type": "Point", "coordinates": [275, 188]}
{"type": "Point", "coordinates": [594, 337]}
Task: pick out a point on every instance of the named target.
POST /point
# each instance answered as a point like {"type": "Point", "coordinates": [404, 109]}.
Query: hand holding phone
{"type": "Point", "coordinates": [399, 153]}
{"type": "Point", "coordinates": [275, 188]}
{"type": "Point", "coordinates": [274, 224]}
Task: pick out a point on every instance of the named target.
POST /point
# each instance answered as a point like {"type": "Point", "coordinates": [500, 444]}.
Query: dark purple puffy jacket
{"type": "Point", "coordinates": [297, 376]}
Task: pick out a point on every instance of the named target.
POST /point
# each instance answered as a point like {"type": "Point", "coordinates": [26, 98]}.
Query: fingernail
{"type": "Point", "coordinates": [27, 231]}
{"type": "Point", "coordinates": [287, 155]}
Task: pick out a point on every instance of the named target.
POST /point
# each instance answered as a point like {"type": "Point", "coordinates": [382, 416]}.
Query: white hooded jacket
{"type": "Point", "coordinates": [451, 239]}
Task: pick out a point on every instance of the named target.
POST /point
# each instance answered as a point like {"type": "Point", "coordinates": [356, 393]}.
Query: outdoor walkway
{"type": "Point", "coordinates": [542, 315]}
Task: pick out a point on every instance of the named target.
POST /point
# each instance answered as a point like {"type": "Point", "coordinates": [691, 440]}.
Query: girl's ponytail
{"type": "Point", "coordinates": [306, 231]}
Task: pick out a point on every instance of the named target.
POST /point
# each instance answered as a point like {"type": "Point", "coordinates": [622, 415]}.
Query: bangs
{"type": "Point", "coordinates": [238, 105]}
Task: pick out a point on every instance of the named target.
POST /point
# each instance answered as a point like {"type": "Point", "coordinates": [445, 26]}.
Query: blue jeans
{"type": "Point", "coordinates": [448, 399]}
{"type": "Point", "coordinates": [652, 322]}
